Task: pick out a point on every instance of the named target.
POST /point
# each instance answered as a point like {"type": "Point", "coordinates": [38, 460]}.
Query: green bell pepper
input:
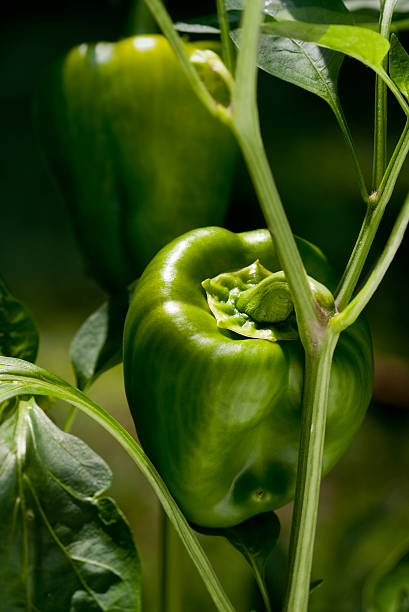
{"type": "Point", "coordinates": [136, 155]}
{"type": "Point", "coordinates": [218, 407]}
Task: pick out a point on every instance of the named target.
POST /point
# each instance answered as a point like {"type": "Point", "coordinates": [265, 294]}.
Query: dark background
{"type": "Point", "coordinates": [364, 508]}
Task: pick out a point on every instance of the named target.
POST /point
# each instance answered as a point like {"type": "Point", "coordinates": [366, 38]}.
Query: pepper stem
{"type": "Point", "coordinates": [310, 462]}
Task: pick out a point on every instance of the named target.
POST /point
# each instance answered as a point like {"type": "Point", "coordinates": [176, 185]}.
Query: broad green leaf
{"type": "Point", "coordinates": [196, 28]}
{"type": "Point", "coordinates": [300, 63]}
{"type": "Point", "coordinates": [364, 45]}
{"type": "Point", "coordinates": [97, 345]}
{"type": "Point", "coordinates": [387, 589]}
{"type": "Point", "coordinates": [399, 65]}
{"type": "Point", "coordinates": [402, 6]}
{"type": "Point", "coordinates": [19, 378]}
{"type": "Point", "coordinates": [64, 547]}
{"type": "Point", "coordinates": [359, 5]}
{"type": "Point", "coordinates": [331, 9]}
{"type": "Point", "coordinates": [18, 332]}
{"type": "Point", "coordinates": [366, 13]}
{"type": "Point", "coordinates": [235, 5]}
{"type": "Point", "coordinates": [311, 11]}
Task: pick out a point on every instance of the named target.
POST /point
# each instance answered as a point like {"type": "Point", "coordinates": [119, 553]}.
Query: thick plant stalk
{"type": "Point", "coordinates": [315, 401]}
{"type": "Point", "coordinates": [318, 342]}
{"type": "Point", "coordinates": [380, 125]}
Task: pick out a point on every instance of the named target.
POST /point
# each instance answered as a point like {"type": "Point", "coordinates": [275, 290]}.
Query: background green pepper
{"type": "Point", "coordinates": [138, 158]}
{"type": "Point", "coordinates": [219, 414]}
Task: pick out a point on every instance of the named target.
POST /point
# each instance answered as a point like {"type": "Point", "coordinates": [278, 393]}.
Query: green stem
{"type": "Point", "coordinates": [139, 20]}
{"type": "Point", "coordinates": [247, 131]}
{"type": "Point", "coordinates": [373, 217]}
{"type": "Point", "coordinates": [315, 399]}
{"type": "Point", "coordinates": [21, 449]}
{"type": "Point", "coordinates": [262, 586]}
{"type": "Point", "coordinates": [70, 419]}
{"type": "Point", "coordinates": [72, 413]}
{"type": "Point", "coordinates": [348, 139]}
{"type": "Point", "coordinates": [227, 45]}
{"type": "Point", "coordinates": [344, 319]}
{"type": "Point", "coordinates": [170, 578]}
{"type": "Point", "coordinates": [380, 127]}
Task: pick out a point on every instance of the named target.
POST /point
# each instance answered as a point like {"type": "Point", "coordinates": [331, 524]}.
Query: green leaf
{"type": "Point", "coordinates": [209, 24]}
{"type": "Point", "coordinates": [18, 332]}
{"type": "Point", "coordinates": [256, 538]}
{"type": "Point", "coordinates": [399, 65]}
{"type": "Point", "coordinates": [300, 63]}
{"type": "Point", "coordinates": [315, 584]}
{"type": "Point", "coordinates": [196, 28]}
{"type": "Point", "coordinates": [64, 546]}
{"type": "Point", "coordinates": [362, 44]}
{"type": "Point", "coordinates": [402, 6]}
{"type": "Point", "coordinates": [387, 589]}
{"type": "Point", "coordinates": [234, 5]}
{"type": "Point", "coordinates": [97, 345]}
{"type": "Point", "coordinates": [19, 377]}
{"type": "Point", "coordinates": [366, 12]}
{"type": "Point", "coordinates": [311, 11]}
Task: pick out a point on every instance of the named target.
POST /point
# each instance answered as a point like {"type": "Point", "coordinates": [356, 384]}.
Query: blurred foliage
{"type": "Point", "coordinates": [364, 507]}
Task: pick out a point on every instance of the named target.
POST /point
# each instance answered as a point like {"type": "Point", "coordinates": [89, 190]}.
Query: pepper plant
{"type": "Point", "coordinates": [248, 366]}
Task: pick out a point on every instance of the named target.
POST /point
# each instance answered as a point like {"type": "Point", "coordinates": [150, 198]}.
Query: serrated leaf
{"type": "Point", "coordinates": [18, 332]}
{"type": "Point", "coordinates": [64, 548]}
{"type": "Point", "coordinates": [362, 44]}
{"type": "Point", "coordinates": [97, 345]}
{"type": "Point", "coordinates": [399, 65]}
{"type": "Point", "coordinates": [256, 538]}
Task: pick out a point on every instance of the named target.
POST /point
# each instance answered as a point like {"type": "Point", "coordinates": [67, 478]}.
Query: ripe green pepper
{"type": "Point", "coordinates": [136, 155]}
{"type": "Point", "coordinates": [217, 408]}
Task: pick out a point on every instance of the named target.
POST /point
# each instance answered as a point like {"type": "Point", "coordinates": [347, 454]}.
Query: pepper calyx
{"type": "Point", "coordinates": [257, 303]}
{"type": "Point", "coordinates": [252, 302]}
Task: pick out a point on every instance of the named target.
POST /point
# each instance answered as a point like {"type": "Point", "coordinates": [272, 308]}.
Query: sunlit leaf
{"type": "Point", "coordinates": [196, 28]}
{"type": "Point", "coordinates": [364, 45]}
{"type": "Point", "coordinates": [310, 11]}
{"type": "Point", "coordinates": [399, 65]}
{"type": "Point", "coordinates": [64, 547]}
{"type": "Point", "coordinates": [300, 63]}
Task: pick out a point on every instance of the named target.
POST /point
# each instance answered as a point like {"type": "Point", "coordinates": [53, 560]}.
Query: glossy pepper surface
{"type": "Point", "coordinates": [217, 412]}
{"type": "Point", "coordinates": [136, 155]}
